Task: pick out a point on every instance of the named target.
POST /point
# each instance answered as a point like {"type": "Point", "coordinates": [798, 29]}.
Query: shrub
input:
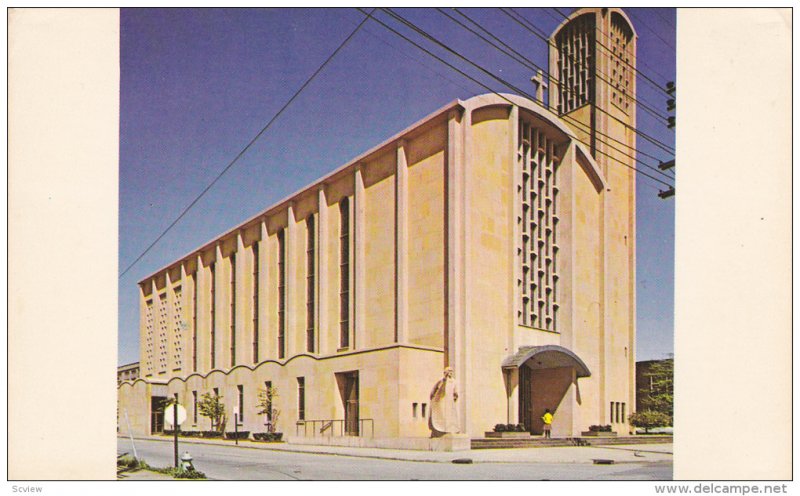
{"type": "Point", "coordinates": [521, 428]}
{"type": "Point", "coordinates": [237, 435]}
{"type": "Point", "coordinates": [127, 462]}
{"type": "Point", "coordinates": [270, 437]}
{"type": "Point", "coordinates": [500, 428]}
{"type": "Point", "coordinates": [649, 419]}
{"type": "Point", "coordinates": [207, 434]}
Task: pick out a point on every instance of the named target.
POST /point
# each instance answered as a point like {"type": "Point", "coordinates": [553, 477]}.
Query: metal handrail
{"type": "Point", "coordinates": [331, 426]}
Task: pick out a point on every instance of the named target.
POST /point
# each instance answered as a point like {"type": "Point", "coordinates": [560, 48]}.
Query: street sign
{"type": "Point", "coordinates": [169, 415]}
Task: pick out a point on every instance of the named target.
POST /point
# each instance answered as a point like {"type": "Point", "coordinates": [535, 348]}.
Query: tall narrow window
{"type": "Point", "coordinates": [268, 403]}
{"type": "Point", "coordinates": [301, 398]}
{"type": "Point", "coordinates": [213, 319]}
{"type": "Point", "coordinates": [281, 294]}
{"type": "Point", "coordinates": [255, 302]}
{"type": "Point", "coordinates": [623, 413]}
{"type": "Point", "coordinates": [344, 271]}
{"type": "Point", "coordinates": [194, 324]}
{"type": "Point", "coordinates": [213, 423]}
{"type": "Point", "coordinates": [241, 402]}
{"type": "Point", "coordinates": [233, 309]}
{"type": "Point", "coordinates": [310, 285]}
{"type": "Point", "coordinates": [194, 407]}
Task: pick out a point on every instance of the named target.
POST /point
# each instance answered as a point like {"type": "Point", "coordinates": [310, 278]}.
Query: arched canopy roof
{"type": "Point", "coordinates": [546, 357]}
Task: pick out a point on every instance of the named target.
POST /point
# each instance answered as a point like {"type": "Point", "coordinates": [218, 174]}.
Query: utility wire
{"type": "Point", "coordinates": [249, 145]}
{"type": "Point", "coordinates": [644, 63]}
{"type": "Point", "coordinates": [640, 21]}
{"type": "Point", "coordinates": [482, 69]}
{"type": "Point", "coordinates": [644, 135]}
{"type": "Point", "coordinates": [646, 78]}
{"type": "Point", "coordinates": [415, 59]}
{"type": "Point", "coordinates": [527, 62]}
{"type": "Point", "coordinates": [525, 23]}
{"type": "Point", "coordinates": [530, 64]}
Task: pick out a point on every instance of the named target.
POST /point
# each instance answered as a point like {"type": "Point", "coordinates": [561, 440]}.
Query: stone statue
{"type": "Point", "coordinates": [444, 414]}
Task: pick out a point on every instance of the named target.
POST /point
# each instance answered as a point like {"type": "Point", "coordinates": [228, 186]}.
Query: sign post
{"type": "Point", "coordinates": [175, 414]}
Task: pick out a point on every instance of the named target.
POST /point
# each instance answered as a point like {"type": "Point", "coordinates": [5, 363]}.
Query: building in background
{"type": "Point", "coordinates": [128, 372]}
{"type": "Point", "coordinates": [495, 236]}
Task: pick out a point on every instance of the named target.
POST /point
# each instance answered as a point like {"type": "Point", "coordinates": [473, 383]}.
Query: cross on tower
{"type": "Point", "coordinates": [540, 83]}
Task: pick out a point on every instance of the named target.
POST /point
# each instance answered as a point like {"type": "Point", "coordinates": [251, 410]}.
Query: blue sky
{"type": "Point", "coordinates": [198, 84]}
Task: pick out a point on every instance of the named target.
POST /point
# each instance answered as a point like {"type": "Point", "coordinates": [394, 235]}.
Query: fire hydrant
{"type": "Point", "coordinates": [186, 461]}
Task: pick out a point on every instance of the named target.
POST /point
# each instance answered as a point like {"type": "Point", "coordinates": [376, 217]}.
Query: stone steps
{"type": "Point", "coordinates": [537, 442]}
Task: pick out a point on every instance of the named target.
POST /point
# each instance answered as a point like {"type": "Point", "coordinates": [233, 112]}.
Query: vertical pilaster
{"type": "Point", "coordinates": [266, 345]}
{"type": "Point", "coordinates": [401, 244]}
{"type": "Point", "coordinates": [291, 284]}
{"type": "Point", "coordinates": [359, 286]}
{"type": "Point", "coordinates": [515, 266]}
{"type": "Point", "coordinates": [201, 318]}
{"type": "Point", "coordinates": [217, 326]}
{"type": "Point", "coordinates": [322, 319]}
{"type": "Point", "coordinates": [454, 229]}
{"type": "Point", "coordinates": [185, 318]}
{"type": "Point", "coordinates": [145, 365]}
{"type": "Point", "coordinates": [461, 351]}
{"type": "Point", "coordinates": [242, 325]}
{"type": "Point", "coordinates": [156, 301]}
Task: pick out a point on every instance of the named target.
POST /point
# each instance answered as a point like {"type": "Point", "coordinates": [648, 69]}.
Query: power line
{"type": "Point", "coordinates": [250, 144]}
{"type": "Point", "coordinates": [509, 85]}
{"type": "Point", "coordinates": [644, 135]}
{"type": "Point", "coordinates": [651, 68]}
{"type": "Point", "coordinates": [528, 63]}
{"type": "Point", "coordinates": [528, 25]}
{"type": "Point", "coordinates": [484, 70]}
{"type": "Point", "coordinates": [638, 71]}
{"type": "Point", "coordinates": [531, 65]}
{"type": "Point", "coordinates": [640, 21]}
{"type": "Point", "coordinates": [403, 53]}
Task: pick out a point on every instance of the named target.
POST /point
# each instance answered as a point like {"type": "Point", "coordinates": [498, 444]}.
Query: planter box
{"type": "Point", "coordinates": [598, 434]}
{"type": "Point", "coordinates": [508, 435]}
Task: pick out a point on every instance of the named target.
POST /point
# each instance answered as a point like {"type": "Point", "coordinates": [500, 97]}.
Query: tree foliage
{"type": "Point", "coordinates": [658, 396]}
{"type": "Point", "coordinates": [266, 406]}
{"type": "Point", "coordinates": [649, 419]}
{"type": "Point", "coordinates": [211, 406]}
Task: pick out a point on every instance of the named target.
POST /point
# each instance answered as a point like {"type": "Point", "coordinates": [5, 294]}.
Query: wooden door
{"type": "Point", "coordinates": [351, 404]}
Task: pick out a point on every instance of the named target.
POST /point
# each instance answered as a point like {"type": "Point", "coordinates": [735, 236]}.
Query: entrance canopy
{"type": "Point", "coordinates": [546, 357]}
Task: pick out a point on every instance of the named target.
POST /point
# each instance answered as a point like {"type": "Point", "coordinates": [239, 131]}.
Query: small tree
{"type": "Point", "coordinates": [211, 406]}
{"type": "Point", "coordinates": [649, 420]}
{"type": "Point", "coordinates": [659, 396]}
{"type": "Point", "coordinates": [266, 406]}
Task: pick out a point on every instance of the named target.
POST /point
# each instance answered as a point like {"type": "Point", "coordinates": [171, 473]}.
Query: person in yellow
{"type": "Point", "coordinates": [547, 418]}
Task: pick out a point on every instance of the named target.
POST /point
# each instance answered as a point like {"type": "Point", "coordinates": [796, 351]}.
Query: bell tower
{"type": "Point", "coordinates": [593, 90]}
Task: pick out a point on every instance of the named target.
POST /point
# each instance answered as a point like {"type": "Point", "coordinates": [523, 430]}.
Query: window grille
{"type": "Point", "coordinates": [537, 249]}
{"type": "Point", "coordinates": [310, 284]}
{"type": "Point", "coordinates": [255, 302]}
{"type": "Point", "coordinates": [233, 308]}
{"type": "Point", "coordinates": [281, 294]}
{"type": "Point", "coordinates": [575, 44]}
{"type": "Point", "coordinates": [344, 273]}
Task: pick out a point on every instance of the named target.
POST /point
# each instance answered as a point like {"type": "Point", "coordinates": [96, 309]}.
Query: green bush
{"type": "Point", "coordinates": [649, 419]}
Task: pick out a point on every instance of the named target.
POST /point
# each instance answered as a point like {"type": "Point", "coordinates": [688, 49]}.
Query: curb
{"type": "Point", "coordinates": [456, 455]}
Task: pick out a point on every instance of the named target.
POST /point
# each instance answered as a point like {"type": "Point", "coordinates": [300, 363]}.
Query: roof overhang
{"type": "Point", "coordinates": [546, 357]}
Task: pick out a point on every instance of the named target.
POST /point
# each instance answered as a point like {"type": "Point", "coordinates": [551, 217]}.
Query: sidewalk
{"type": "Point", "coordinates": [641, 453]}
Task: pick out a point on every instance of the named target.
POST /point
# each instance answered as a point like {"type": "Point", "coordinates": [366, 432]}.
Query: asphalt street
{"type": "Point", "coordinates": [238, 463]}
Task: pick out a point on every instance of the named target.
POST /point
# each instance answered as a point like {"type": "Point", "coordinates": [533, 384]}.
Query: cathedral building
{"type": "Point", "coordinates": [495, 237]}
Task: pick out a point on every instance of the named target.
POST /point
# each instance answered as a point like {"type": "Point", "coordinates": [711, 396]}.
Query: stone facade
{"type": "Point", "coordinates": [495, 236]}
